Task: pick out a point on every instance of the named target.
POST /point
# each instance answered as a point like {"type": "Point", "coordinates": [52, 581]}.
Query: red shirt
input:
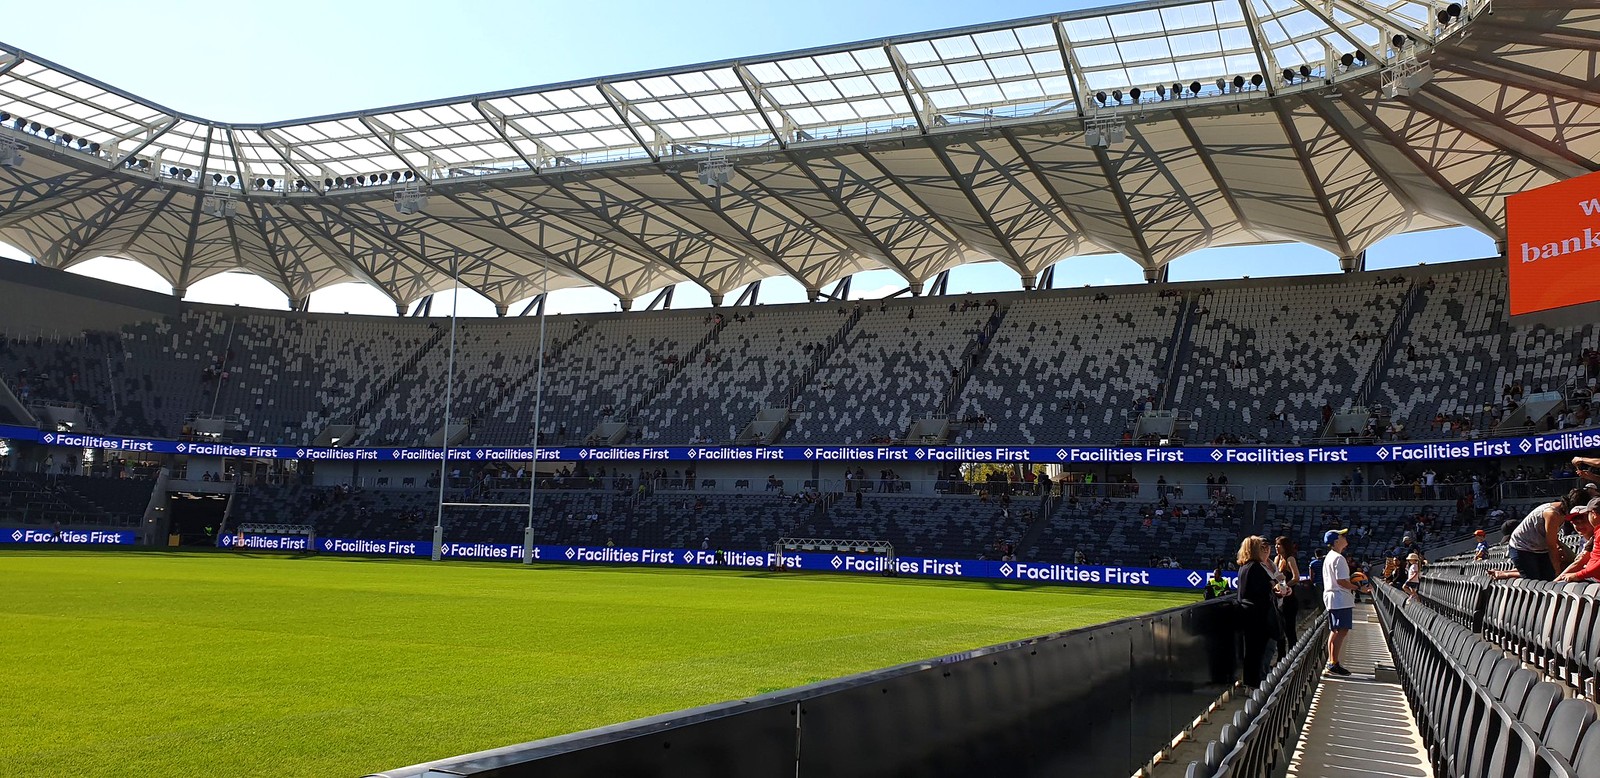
{"type": "Point", "coordinates": [1588, 565]}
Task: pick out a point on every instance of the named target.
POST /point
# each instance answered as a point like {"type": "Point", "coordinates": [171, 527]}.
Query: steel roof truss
{"type": "Point", "coordinates": [287, 151]}
{"type": "Point", "coordinates": [1318, 192]}
{"type": "Point", "coordinates": [624, 109]}
{"type": "Point", "coordinates": [151, 133]}
{"type": "Point", "coordinates": [1555, 160]}
{"type": "Point", "coordinates": [1040, 214]}
{"type": "Point", "coordinates": [915, 97]}
{"type": "Point", "coordinates": [182, 287]}
{"type": "Point", "coordinates": [758, 96]}
{"type": "Point", "coordinates": [1393, 141]}
{"type": "Point", "coordinates": [1211, 170]}
{"type": "Point", "coordinates": [1381, 19]}
{"type": "Point", "coordinates": [31, 197]}
{"type": "Point", "coordinates": [668, 243]}
{"type": "Point", "coordinates": [542, 221]}
{"type": "Point", "coordinates": [502, 123]}
{"type": "Point", "coordinates": [83, 234]}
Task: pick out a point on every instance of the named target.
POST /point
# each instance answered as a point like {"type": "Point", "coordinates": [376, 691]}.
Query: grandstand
{"type": "Point", "coordinates": [1041, 367]}
{"type": "Point", "coordinates": [1149, 131]}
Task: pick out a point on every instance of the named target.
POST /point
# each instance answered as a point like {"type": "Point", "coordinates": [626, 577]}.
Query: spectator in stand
{"type": "Point", "coordinates": [1587, 566]}
{"type": "Point", "coordinates": [1216, 587]}
{"type": "Point", "coordinates": [1258, 619]}
{"type": "Point", "coordinates": [1338, 596]}
{"type": "Point", "coordinates": [1288, 605]}
{"type": "Point", "coordinates": [1413, 576]}
{"type": "Point", "coordinates": [1535, 543]}
{"type": "Point", "coordinates": [1481, 551]}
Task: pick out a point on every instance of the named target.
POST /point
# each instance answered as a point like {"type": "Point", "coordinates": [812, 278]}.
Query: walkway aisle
{"type": "Point", "coordinates": [1359, 727]}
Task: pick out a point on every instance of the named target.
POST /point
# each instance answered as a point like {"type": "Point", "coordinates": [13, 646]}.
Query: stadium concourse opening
{"type": "Point", "coordinates": [1135, 438]}
{"type": "Point", "coordinates": [196, 519]}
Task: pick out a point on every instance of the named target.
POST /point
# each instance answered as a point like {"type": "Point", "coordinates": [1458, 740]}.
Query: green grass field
{"type": "Point", "coordinates": [163, 664]}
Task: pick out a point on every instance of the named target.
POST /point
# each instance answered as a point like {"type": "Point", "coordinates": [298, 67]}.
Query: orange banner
{"type": "Point", "coordinates": [1553, 245]}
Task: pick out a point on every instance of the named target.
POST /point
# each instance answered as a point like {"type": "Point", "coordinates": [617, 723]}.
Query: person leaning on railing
{"type": "Point", "coordinates": [1586, 567]}
{"type": "Point", "coordinates": [1536, 542]}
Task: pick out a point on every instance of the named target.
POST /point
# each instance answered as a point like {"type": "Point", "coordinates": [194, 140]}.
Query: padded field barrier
{"type": "Point", "coordinates": [1097, 701]}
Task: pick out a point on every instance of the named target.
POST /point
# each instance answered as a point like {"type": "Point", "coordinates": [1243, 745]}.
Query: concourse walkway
{"type": "Point", "coordinates": [1360, 727]}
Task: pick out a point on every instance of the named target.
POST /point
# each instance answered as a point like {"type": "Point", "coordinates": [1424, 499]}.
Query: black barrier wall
{"type": "Point", "coordinates": [1097, 701]}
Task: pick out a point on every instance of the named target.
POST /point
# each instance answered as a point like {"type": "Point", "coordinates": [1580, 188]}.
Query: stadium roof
{"type": "Point", "coordinates": [914, 153]}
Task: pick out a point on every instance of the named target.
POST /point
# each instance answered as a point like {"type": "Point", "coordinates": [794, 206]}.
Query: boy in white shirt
{"type": "Point", "coordinates": [1338, 595]}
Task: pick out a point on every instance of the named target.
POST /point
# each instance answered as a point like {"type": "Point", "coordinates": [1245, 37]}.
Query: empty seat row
{"type": "Point", "coordinates": [1480, 712]}
{"type": "Point", "coordinates": [1261, 737]}
{"type": "Point", "coordinates": [1549, 626]}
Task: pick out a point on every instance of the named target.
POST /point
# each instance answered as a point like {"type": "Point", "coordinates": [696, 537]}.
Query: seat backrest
{"type": "Point", "coordinates": [1567, 725]}
{"type": "Point", "coordinates": [1500, 674]}
{"type": "Point", "coordinates": [1214, 754]}
{"type": "Point", "coordinates": [1472, 652]}
{"type": "Point", "coordinates": [1587, 760]}
{"type": "Point", "coordinates": [1540, 705]}
{"type": "Point", "coordinates": [1197, 770]}
{"type": "Point", "coordinates": [1517, 688]}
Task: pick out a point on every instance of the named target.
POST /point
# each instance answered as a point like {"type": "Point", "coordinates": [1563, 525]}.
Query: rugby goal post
{"type": "Point", "coordinates": [877, 548]}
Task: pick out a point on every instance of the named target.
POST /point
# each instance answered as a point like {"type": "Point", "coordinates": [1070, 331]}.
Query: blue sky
{"type": "Point", "coordinates": [269, 61]}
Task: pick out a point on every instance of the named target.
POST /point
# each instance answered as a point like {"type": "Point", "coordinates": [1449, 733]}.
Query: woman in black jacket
{"type": "Point", "coordinates": [1258, 607]}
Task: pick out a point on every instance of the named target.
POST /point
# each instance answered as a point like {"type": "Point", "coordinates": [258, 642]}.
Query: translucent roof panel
{"type": "Point", "coordinates": [1178, 44]}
